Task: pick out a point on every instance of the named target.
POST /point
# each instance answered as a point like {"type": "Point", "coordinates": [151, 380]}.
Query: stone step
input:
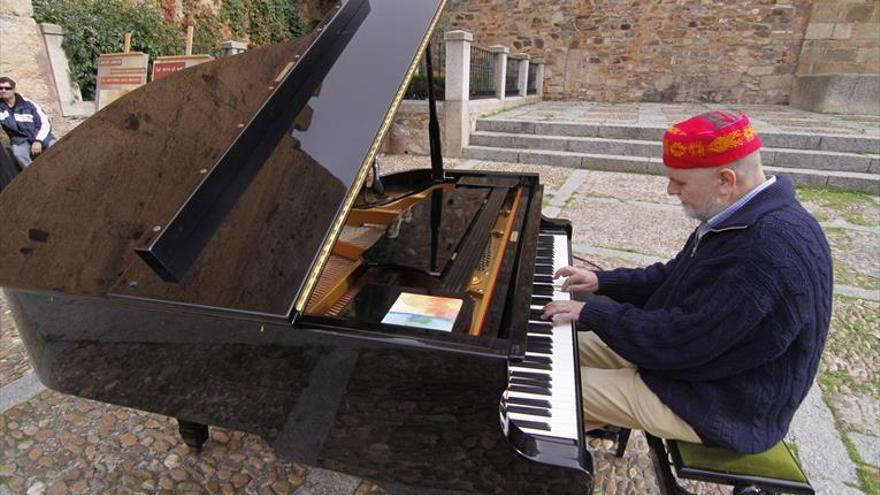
{"type": "Point", "coordinates": [783, 157]}
{"type": "Point", "coordinates": [844, 143]}
{"type": "Point", "coordinates": [869, 183]}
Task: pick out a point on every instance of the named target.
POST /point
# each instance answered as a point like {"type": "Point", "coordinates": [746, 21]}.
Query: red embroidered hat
{"type": "Point", "coordinates": [709, 140]}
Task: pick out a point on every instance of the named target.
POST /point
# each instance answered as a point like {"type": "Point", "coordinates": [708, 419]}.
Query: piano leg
{"type": "Point", "coordinates": [194, 435]}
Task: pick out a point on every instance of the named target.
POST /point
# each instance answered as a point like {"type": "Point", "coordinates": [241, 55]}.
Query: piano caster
{"type": "Point", "coordinates": [194, 435]}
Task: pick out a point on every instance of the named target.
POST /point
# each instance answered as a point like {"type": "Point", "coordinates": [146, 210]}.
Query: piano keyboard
{"type": "Point", "coordinates": [543, 397]}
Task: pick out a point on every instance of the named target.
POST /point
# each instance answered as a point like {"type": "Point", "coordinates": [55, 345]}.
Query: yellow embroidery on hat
{"type": "Point", "coordinates": [696, 149]}
{"type": "Point", "coordinates": [724, 143]}
{"type": "Point", "coordinates": [749, 133]}
{"type": "Point", "coordinates": [677, 150]}
{"type": "Point", "coordinates": [674, 130]}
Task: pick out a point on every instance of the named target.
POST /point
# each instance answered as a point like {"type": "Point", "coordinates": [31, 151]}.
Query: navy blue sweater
{"type": "Point", "coordinates": [729, 333]}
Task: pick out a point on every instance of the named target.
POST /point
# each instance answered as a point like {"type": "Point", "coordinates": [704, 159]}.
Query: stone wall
{"type": "Point", "coordinates": [839, 66]}
{"type": "Point", "coordinates": [842, 37]}
{"type": "Point", "coordinates": [662, 50]}
{"type": "Point", "coordinates": [23, 58]}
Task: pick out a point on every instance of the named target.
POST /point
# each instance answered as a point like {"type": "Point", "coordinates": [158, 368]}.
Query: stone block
{"type": "Point", "coordinates": [506, 126]}
{"type": "Point", "coordinates": [494, 140]}
{"type": "Point", "coordinates": [842, 31]}
{"type": "Point", "coordinates": [859, 13]}
{"type": "Point", "coordinates": [566, 129]}
{"type": "Point", "coordinates": [767, 156]}
{"type": "Point", "coordinates": [819, 31]}
{"type": "Point", "coordinates": [793, 159]}
{"type": "Point", "coordinates": [491, 154]}
{"type": "Point", "coordinates": [599, 146]}
{"type": "Point", "coordinates": [762, 70]}
{"type": "Point", "coordinates": [843, 162]}
{"type": "Point", "coordinates": [619, 132]}
{"type": "Point", "coordinates": [850, 144]}
{"type": "Point", "coordinates": [21, 8]}
{"type": "Point", "coordinates": [869, 183]}
{"type": "Point", "coordinates": [798, 141]}
{"type": "Point", "coordinates": [539, 142]}
{"type": "Point", "coordinates": [874, 168]}
{"type": "Point", "coordinates": [853, 94]}
{"type": "Point", "coordinates": [800, 177]}
{"type": "Point", "coordinates": [569, 160]}
{"type": "Point", "coordinates": [825, 13]}
{"type": "Point", "coordinates": [776, 82]}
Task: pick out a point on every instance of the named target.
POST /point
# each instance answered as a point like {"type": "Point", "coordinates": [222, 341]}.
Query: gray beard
{"type": "Point", "coordinates": [711, 208]}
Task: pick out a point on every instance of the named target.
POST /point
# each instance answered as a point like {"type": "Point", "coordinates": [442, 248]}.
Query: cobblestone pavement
{"type": "Point", "coordinates": [56, 444]}
{"type": "Point", "coordinates": [764, 117]}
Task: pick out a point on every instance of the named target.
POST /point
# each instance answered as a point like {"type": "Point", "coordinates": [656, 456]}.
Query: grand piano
{"type": "Point", "coordinates": [213, 247]}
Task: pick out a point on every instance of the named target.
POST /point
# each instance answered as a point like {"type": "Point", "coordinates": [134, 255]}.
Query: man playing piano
{"type": "Point", "coordinates": [721, 344]}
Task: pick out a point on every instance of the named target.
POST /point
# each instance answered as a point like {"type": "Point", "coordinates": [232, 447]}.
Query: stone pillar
{"type": "Point", "coordinates": [23, 58]}
{"type": "Point", "coordinates": [69, 96]}
{"type": "Point", "coordinates": [539, 77]}
{"type": "Point", "coordinates": [500, 53]}
{"type": "Point", "coordinates": [230, 48]}
{"type": "Point", "coordinates": [458, 81]}
{"type": "Point", "coordinates": [523, 80]}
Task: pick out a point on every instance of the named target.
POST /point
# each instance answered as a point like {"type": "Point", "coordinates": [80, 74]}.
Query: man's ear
{"type": "Point", "coordinates": [727, 178]}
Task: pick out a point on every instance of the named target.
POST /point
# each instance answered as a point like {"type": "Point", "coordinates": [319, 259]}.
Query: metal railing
{"type": "Point", "coordinates": [532, 87]}
{"type": "Point", "coordinates": [482, 78]}
{"type": "Point", "coordinates": [511, 79]}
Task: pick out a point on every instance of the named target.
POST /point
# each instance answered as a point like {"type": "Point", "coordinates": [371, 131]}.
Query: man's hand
{"type": "Point", "coordinates": [562, 311]}
{"type": "Point", "coordinates": [577, 279]}
{"type": "Point", "coordinates": [36, 148]}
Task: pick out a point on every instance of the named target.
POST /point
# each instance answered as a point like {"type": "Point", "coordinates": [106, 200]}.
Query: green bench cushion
{"type": "Point", "coordinates": [777, 463]}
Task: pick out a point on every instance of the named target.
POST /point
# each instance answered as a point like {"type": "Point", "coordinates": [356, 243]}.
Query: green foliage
{"type": "Point", "coordinates": [418, 87]}
{"type": "Point", "coordinates": [98, 26]}
{"type": "Point", "coordinates": [209, 29]}
{"type": "Point", "coordinates": [263, 22]}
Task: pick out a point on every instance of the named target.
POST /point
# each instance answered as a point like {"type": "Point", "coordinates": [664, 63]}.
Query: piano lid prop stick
{"type": "Point", "coordinates": [433, 125]}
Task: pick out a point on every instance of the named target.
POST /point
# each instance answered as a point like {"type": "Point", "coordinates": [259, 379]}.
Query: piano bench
{"type": "Point", "coordinates": [770, 472]}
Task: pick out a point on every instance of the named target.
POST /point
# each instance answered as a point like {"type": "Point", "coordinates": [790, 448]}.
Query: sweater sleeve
{"type": "Point", "coordinates": [703, 328]}
{"type": "Point", "coordinates": [635, 285]}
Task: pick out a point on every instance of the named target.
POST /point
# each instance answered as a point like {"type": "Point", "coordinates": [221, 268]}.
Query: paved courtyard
{"type": "Point", "coordinates": [774, 118]}
{"type": "Point", "coordinates": [56, 444]}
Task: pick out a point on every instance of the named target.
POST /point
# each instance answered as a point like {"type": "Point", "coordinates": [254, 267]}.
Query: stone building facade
{"type": "Point", "coordinates": [745, 51]}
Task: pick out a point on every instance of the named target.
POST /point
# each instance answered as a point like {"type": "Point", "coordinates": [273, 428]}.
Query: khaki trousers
{"type": "Point", "coordinates": [614, 394]}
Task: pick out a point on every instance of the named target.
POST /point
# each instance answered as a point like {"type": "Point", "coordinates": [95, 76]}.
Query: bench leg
{"type": "Point", "coordinates": [622, 440]}
{"type": "Point", "coordinates": [665, 478]}
{"type": "Point", "coordinates": [194, 435]}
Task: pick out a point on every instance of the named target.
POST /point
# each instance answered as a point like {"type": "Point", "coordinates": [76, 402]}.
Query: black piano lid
{"type": "Point", "coordinates": [73, 220]}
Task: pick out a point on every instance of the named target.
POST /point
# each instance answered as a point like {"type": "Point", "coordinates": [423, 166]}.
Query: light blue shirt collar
{"type": "Point", "coordinates": [730, 210]}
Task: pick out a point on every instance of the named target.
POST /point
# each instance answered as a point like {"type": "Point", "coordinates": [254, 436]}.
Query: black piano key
{"type": "Point", "coordinates": [544, 377]}
{"type": "Point", "coordinates": [544, 253]}
{"type": "Point", "coordinates": [541, 300]}
{"type": "Point", "coordinates": [544, 268]}
{"type": "Point", "coordinates": [535, 425]}
{"type": "Point", "coordinates": [543, 279]}
{"type": "Point", "coordinates": [529, 390]}
{"type": "Point", "coordinates": [531, 383]}
{"type": "Point", "coordinates": [542, 290]}
{"type": "Point", "coordinates": [538, 359]}
{"type": "Point", "coordinates": [529, 402]}
{"type": "Point", "coordinates": [531, 411]}
{"type": "Point", "coordinates": [534, 365]}
{"type": "Point", "coordinates": [538, 329]}
{"type": "Point", "coordinates": [535, 314]}
{"type": "Point", "coordinates": [540, 348]}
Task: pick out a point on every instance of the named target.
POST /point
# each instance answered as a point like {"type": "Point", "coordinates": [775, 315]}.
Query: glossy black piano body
{"type": "Point", "coordinates": [223, 334]}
